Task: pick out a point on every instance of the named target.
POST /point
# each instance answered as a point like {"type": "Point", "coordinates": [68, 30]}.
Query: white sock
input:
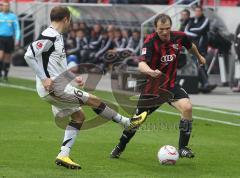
{"type": "Point", "coordinates": [122, 120]}
{"type": "Point", "coordinates": [69, 138]}
{"type": "Point", "coordinates": [108, 113]}
{"type": "Point", "coordinates": [64, 151]}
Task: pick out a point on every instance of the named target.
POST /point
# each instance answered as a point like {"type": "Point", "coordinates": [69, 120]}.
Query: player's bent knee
{"type": "Point", "coordinates": [93, 101]}
{"type": "Point", "coordinates": [78, 117]}
{"type": "Point", "coordinates": [77, 120]}
{"type": "Point", "coordinates": [63, 114]}
{"type": "Point", "coordinates": [187, 108]}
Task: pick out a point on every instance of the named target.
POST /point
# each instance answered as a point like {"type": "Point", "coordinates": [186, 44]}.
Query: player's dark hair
{"type": "Point", "coordinates": [58, 13]}
{"type": "Point", "coordinates": [162, 18]}
{"type": "Point", "coordinates": [187, 11]}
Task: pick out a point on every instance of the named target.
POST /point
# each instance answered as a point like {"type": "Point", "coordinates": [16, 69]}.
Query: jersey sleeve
{"type": "Point", "coordinates": [36, 67]}
{"type": "Point", "coordinates": [186, 42]}
{"type": "Point", "coordinates": [146, 51]}
{"type": "Point", "coordinates": [16, 28]}
{"type": "Point", "coordinates": [36, 48]}
{"type": "Point", "coordinates": [33, 56]}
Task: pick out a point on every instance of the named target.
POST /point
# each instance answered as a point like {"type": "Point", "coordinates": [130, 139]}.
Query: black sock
{"type": "Point", "coordinates": [75, 125]}
{"type": "Point", "coordinates": [1, 67]}
{"type": "Point", "coordinates": [6, 67]}
{"type": "Point", "coordinates": [100, 108]}
{"type": "Point", "coordinates": [185, 127]}
{"type": "Point", "coordinates": [125, 138]}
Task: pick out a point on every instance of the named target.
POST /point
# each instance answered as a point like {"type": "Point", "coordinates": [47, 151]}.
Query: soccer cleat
{"type": "Point", "coordinates": [116, 152]}
{"type": "Point", "coordinates": [67, 163]}
{"type": "Point", "coordinates": [136, 121]}
{"type": "Point", "coordinates": [186, 152]}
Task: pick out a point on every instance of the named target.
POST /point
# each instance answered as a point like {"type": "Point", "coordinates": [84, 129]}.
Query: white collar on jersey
{"type": "Point", "coordinates": [54, 29]}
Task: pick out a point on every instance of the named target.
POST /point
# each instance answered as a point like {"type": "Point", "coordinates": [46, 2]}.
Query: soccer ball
{"type": "Point", "coordinates": [168, 155]}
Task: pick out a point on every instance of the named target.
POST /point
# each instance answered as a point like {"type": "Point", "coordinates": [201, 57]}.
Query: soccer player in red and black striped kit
{"type": "Point", "coordinates": [159, 57]}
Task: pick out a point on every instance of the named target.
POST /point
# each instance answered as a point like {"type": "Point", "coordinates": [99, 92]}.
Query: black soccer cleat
{"type": "Point", "coordinates": [116, 152]}
{"type": "Point", "coordinates": [186, 152]}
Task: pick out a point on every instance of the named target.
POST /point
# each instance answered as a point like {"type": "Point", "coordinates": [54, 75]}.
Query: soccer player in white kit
{"type": "Point", "coordinates": [46, 56]}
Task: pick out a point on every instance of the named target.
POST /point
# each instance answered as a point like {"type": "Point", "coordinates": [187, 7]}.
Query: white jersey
{"type": "Point", "coordinates": [49, 53]}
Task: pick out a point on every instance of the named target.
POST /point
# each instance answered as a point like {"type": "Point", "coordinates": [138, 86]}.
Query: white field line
{"type": "Point", "coordinates": [216, 110]}
{"type": "Point", "coordinates": [201, 118]}
{"type": "Point", "coordinates": [160, 111]}
{"type": "Point", "coordinates": [17, 87]}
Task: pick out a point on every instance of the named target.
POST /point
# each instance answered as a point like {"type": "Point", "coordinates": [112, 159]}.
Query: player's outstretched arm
{"type": "Point", "coordinates": [194, 51]}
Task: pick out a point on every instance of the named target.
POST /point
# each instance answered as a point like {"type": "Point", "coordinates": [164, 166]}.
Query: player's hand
{"type": "Point", "coordinates": [155, 73]}
{"type": "Point", "coordinates": [79, 81]}
{"type": "Point", "coordinates": [47, 84]}
{"type": "Point", "coordinates": [202, 60]}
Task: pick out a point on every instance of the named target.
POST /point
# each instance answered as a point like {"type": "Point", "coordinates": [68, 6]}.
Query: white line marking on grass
{"type": "Point", "coordinates": [17, 87]}
{"type": "Point", "coordinates": [160, 111]}
{"type": "Point", "coordinates": [201, 118]}
{"type": "Point", "coordinates": [195, 107]}
{"type": "Point", "coordinates": [216, 110]}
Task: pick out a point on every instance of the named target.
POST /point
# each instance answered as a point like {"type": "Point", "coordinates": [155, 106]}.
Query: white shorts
{"type": "Point", "coordinates": [62, 109]}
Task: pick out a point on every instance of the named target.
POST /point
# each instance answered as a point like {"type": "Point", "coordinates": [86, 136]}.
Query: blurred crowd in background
{"type": "Point", "coordinates": [99, 45]}
{"type": "Point", "coordinates": [105, 45]}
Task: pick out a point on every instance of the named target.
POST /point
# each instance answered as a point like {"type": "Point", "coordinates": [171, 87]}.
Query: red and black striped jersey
{"type": "Point", "coordinates": [164, 57]}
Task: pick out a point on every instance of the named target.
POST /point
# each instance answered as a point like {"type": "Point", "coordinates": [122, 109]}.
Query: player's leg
{"type": "Point", "coordinates": [127, 135]}
{"type": "Point", "coordinates": [1, 56]}
{"type": "Point", "coordinates": [1, 63]}
{"type": "Point", "coordinates": [72, 95]}
{"type": "Point", "coordinates": [105, 111]}
{"type": "Point", "coordinates": [9, 47]}
{"type": "Point", "coordinates": [125, 138]}
{"type": "Point", "coordinates": [6, 65]}
{"type": "Point", "coordinates": [71, 132]}
{"type": "Point", "coordinates": [184, 106]}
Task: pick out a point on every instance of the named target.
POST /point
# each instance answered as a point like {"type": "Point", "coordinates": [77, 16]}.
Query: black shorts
{"type": "Point", "coordinates": [178, 93]}
{"type": "Point", "coordinates": [6, 44]}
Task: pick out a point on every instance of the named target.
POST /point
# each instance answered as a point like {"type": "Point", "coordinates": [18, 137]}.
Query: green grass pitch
{"type": "Point", "coordinates": [30, 141]}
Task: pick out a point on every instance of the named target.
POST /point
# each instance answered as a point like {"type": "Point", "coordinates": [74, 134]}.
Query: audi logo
{"type": "Point", "coordinates": [168, 58]}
